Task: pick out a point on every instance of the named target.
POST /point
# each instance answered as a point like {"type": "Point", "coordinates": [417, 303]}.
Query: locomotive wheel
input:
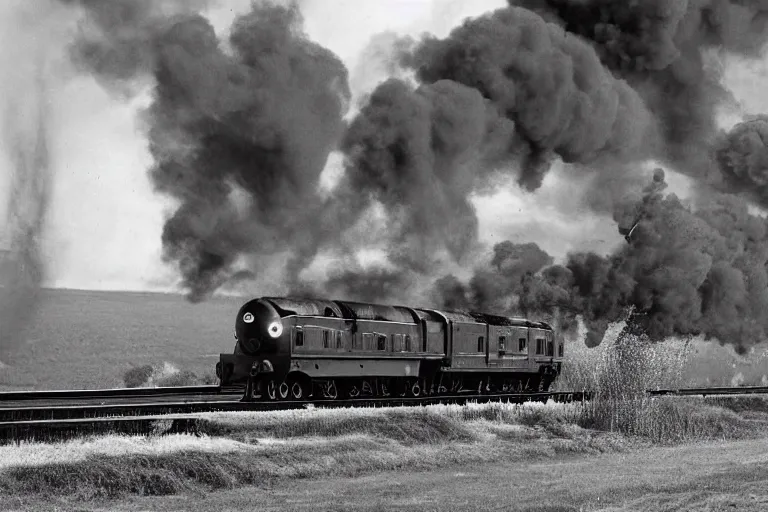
{"type": "Point", "coordinates": [297, 391]}
{"type": "Point", "coordinates": [353, 391]}
{"type": "Point", "coordinates": [331, 391]}
{"type": "Point", "coordinates": [272, 390]}
{"type": "Point", "coordinates": [284, 390]}
{"type": "Point", "coordinates": [384, 388]}
{"type": "Point", "coordinates": [416, 389]}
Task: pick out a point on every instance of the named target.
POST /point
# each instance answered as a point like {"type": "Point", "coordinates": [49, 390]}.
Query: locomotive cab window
{"type": "Point", "coordinates": [299, 335]}
{"type": "Point", "coordinates": [540, 346]}
{"type": "Point", "coordinates": [381, 342]}
{"type": "Point", "coordinates": [481, 344]}
{"type": "Point", "coordinates": [502, 343]}
{"type": "Point", "coordinates": [522, 344]}
{"type": "Point", "coordinates": [550, 348]}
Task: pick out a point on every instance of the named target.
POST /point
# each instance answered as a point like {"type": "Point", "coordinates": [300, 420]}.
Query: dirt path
{"type": "Point", "coordinates": [705, 476]}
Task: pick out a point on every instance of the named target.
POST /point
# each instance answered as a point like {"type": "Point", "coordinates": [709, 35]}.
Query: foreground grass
{"type": "Point", "coordinates": [232, 450]}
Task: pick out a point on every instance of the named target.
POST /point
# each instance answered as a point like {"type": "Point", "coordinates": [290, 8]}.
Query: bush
{"type": "Point", "coordinates": [137, 376]}
{"type": "Point", "coordinates": [165, 375]}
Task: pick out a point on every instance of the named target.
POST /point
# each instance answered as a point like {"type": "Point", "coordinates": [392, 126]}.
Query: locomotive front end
{"type": "Point", "coordinates": [261, 346]}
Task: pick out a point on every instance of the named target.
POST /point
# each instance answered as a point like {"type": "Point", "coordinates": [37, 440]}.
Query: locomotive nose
{"type": "Point", "coordinates": [258, 327]}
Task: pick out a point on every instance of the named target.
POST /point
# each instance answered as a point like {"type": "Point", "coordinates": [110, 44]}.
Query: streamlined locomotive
{"type": "Point", "coordinates": [321, 349]}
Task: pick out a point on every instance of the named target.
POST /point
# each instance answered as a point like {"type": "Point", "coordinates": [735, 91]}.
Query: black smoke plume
{"type": "Point", "coordinates": [686, 270]}
{"type": "Point", "coordinates": [239, 132]}
{"type": "Point", "coordinates": [552, 85]}
{"type": "Point", "coordinates": [420, 153]}
{"type": "Point", "coordinates": [742, 155]}
{"type": "Point", "coordinates": [667, 51]}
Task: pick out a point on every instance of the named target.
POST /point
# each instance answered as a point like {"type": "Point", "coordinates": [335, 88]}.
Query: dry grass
{"type": "Point", "coordinates": [234, 449]}
{"type": "Point", "coordinates": [619, 372]}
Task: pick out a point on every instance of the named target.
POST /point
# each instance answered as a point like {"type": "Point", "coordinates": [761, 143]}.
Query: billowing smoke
{"type": "Point", "coordinates": [239, 130]}
{"type": "Point", "coordinates": [743, 157]}
{"type": "Point", "coordinates": [552, 85]}
{"type": "Point", "coordinates": [117, 39]}
{"type": "Point", "coordinates": [685, 271]}
{"type": "Point", "coordinates": [420, 153]}
{"type": "Point", "coordinates": [669, 52]}
{"type": "Point", "coordinates": [496, 285]}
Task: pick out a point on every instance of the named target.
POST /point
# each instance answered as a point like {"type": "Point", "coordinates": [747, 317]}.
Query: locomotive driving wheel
{"type": "Point", "coordinates": [297, 390]}
{"type": "Point", "coordinates": [272, 390]}
{"type": "Point", "coordinates": [416, 389]}
{"type": "Point", "coordinates": [284, 390]}
{"type": "Point", "coordinates": [330, 390]}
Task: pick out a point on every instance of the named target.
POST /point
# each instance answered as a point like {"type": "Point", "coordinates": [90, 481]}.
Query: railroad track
{"type": "Point", "coordinates": [743, 390]}
{"type": "Point", "coordinates": [46, 422]}
{"type": "Point", "coordinates": [115, 393]}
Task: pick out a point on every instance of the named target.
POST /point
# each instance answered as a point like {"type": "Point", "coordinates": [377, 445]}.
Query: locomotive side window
{"type": "Point", "coordinates": [522, 344]}
{"type": "Point", "coordinates": [326, 338]}
{"type": "Point", "coordinates": [367, 341]}
{"type": "Point", "coordinates": [299, 337]}
{"type": "Point", "coordinates": [550, 348]}
{"type": "Point", "coordinates": [540, 346]}
{"type": "Point", "coordinates": [502, 343]}
{"type": "Point", "coordinates": [407, 342]}
{"type": "Point", "coordinates": [561, 350]}
{"type": "Point", "coordinates": [481, 344]}
{"type": "Point", "coordinates": [381, 342]}
{"type": "Point", "coordinates": [339, 341]}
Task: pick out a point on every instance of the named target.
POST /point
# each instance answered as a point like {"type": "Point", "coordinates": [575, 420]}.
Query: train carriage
{"type": "Point", "coordinates": [300, 348]}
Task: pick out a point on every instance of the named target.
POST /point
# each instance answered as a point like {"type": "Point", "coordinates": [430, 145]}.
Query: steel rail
{"type": "Point", "coordinates": [743, 390]}
{"type": "Point", "coordinates": [89, 412]}
{"type": "Point", "coordinates": [86, 394]}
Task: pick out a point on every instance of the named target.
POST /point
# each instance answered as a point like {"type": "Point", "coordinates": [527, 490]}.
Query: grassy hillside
{"type": "Point", "coordinates": [88, 339]}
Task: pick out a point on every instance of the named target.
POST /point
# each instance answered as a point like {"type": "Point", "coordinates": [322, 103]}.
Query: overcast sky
{"type": "Point", "coordinates": [105, 220]}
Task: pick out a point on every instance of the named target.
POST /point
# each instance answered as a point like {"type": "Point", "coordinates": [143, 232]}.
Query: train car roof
{"type": "Point", "coordinates": [364, 311]}
{"type": "Point", "coordinates": [472, 317]}
{"type": "Point", "coordinates": [305, 307]}
{"type": "Point", "coordinates": [508, 321]}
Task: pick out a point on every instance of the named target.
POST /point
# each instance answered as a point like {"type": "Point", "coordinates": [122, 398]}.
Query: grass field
{"type": "Point", "coordinates": [87, 339]}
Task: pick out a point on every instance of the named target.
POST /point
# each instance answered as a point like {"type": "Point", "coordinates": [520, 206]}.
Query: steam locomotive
{"type": "Point", "coordinates": [298, 349]}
